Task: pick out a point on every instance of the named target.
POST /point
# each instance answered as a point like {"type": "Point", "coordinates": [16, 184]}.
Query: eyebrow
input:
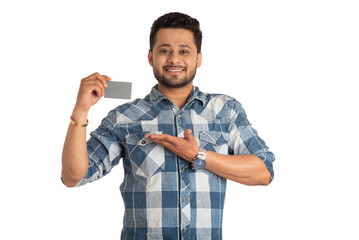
{"type": "Point", "coordinates": [168, 45]}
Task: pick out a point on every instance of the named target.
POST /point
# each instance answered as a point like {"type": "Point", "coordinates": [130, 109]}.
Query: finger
{"type": "Point", "coordinates": [90, 85]}
{"type": "Point", "coordinates": [102, 79]}
{"type": "Point", "coordinates": [90, 77]}
{"type": "Point", "coordinates": [189, 137]}
{"type": "Point", "coordinates": [107, 77]}
{"type": "Point", "coordinates": [96, 89]}
{"type": "Point", "coordinates": [91, 81]}
{"type": "Point", "coordinates": [102, 87]}
{"type": "Point", "coordinates": [153, 137]}
{"type": "Point", "coordinates": [163, 137]}
{"type": "Point", "coordinates": [96, 76]}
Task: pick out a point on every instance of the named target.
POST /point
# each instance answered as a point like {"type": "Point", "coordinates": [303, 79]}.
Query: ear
{"type": "Point", "coordinates": [150, 58]}
{"type": "Point", "coordinates": [199, 59]}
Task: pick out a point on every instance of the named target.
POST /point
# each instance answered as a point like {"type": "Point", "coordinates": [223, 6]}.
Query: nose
{"type": "Point", "coordinates": [174, 58]}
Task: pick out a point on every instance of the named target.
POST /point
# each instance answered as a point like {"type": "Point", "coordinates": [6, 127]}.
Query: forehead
{"type": "Point", "coordinates": [174, 37]}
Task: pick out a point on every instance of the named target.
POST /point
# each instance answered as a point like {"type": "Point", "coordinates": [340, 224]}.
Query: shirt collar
{"type": "Point", "coordinates": [155, 96]}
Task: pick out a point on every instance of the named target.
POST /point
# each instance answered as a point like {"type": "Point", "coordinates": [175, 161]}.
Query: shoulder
{"type": "Point", "coordinates": [218, 100]}
{"type": "Point", "coordinates": [216, 105]}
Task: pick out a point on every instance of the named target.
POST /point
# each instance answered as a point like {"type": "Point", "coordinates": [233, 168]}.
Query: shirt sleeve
{"type": "Point", "coordinates": [104, 150]}
{"type": "Point", "coordinates": [245, 140]}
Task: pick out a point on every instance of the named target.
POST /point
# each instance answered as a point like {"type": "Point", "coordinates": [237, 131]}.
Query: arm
{"type": "Point", "coordinates": [74, 156]}
{"type": "Point", "coordinates": [245, 169]}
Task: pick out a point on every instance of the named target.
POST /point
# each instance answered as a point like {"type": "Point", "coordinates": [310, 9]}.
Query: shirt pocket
{"type": "Point", "coordinates": [146, 158]}
{"type": "Point", "coordinates": [215, 141]}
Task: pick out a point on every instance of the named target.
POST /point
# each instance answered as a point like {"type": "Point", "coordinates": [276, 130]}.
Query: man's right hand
{"type": "Point", "coordinates": [92, 88]}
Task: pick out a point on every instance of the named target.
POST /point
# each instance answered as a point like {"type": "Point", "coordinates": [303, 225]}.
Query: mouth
{"type": "Point", "coordinates": [174, 69]}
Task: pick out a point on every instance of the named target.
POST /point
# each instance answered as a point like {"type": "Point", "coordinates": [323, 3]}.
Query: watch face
{"type": "Point", "coordinates": [199, 164]}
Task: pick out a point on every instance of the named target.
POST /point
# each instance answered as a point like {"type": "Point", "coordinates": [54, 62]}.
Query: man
{"type": "Point", "coordinates": [178, 144]}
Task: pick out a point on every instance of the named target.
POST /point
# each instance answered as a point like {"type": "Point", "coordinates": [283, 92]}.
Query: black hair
{"type": "Point", "coordinates": [177, 20]}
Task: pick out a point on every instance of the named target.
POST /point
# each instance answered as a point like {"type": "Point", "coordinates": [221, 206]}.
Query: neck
{"type": "Point", "coordinates": [177, 95]}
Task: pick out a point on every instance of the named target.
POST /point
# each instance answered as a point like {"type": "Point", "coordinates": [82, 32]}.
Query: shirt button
{"type": "Point", "coordinates": [184, 199]}
{"type": "Point", "coordinates": [143, 141]}
{"type": "Point", "coordinates": [185, 229]}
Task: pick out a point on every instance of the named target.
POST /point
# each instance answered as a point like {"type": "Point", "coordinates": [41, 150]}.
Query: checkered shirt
{"type": "Point", "coordinates": [164, 197]}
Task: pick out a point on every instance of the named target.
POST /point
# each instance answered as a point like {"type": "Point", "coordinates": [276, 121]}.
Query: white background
{"type": "Point", "coordinates": [292, 65]}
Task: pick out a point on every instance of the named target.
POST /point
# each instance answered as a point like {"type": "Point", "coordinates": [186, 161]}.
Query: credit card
{"type": "Point", "coordinates": [121, 90]}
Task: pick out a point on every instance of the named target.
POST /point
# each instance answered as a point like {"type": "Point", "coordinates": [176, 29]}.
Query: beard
{"type": "Point", "coordinates": [174, 81]}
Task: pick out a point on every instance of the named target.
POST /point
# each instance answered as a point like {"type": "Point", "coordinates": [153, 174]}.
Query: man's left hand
{"type": "Point", "coordinates": [186, 147]}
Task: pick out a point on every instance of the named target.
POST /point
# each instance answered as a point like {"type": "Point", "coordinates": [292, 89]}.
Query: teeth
{"type": "Point", "coordinates": [172, 70]}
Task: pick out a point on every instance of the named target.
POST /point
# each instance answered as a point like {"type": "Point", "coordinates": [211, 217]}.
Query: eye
{"type": "Point", "coordinates": [164, 51]}
{"type": "Point", "coordinates": [184, 52]}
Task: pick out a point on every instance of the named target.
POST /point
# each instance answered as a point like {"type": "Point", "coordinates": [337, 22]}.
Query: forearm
{"type": "Point", "coordinates": [245, 169]}
{"type": "Point", "coordinates": [74, 155]}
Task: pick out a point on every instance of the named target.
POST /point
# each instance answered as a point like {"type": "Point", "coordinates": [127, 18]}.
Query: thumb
{"type": "Point", "coordinates": [187, 134]}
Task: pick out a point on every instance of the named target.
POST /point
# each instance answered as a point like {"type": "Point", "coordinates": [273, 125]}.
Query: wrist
{"type": "Point", "coordinates": [199, 162]}
{"type": "Point", "coordinates": [79, 116]}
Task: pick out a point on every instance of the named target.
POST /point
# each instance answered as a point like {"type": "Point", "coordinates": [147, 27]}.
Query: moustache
{"type": "Point", "coordinates": [173, 66]}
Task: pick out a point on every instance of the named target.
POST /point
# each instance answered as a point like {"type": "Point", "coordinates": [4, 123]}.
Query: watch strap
{"type": "Point", "coordinates": [200, 155]}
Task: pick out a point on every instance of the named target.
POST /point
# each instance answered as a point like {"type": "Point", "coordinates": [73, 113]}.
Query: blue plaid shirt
{"type": "Point", "coordinates": [164, 197]}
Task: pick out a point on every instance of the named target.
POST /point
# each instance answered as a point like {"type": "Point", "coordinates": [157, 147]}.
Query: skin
{"type": "Point", "coordinates": [174, 50]}
{"type": "Point", "coordinates": [74, 155]}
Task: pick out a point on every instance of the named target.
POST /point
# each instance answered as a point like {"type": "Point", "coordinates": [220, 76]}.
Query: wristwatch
{"type": "Point", "coordinates": [199, 162]}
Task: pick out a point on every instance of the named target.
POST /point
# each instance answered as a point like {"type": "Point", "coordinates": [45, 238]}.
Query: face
{"type": "Point", "coordinates": [174, 57]}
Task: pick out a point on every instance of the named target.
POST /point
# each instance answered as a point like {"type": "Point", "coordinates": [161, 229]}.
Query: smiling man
{"type": "Point", "coordinates": [178, 144]}
{"type": "Point", "coordinates": [176, 57]}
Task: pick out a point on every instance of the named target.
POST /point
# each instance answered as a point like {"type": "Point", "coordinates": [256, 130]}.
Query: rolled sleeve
{"type": "Point", "coordinates": [244, 138]}
{"type": "Point", "coordinates": [104, 150]}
